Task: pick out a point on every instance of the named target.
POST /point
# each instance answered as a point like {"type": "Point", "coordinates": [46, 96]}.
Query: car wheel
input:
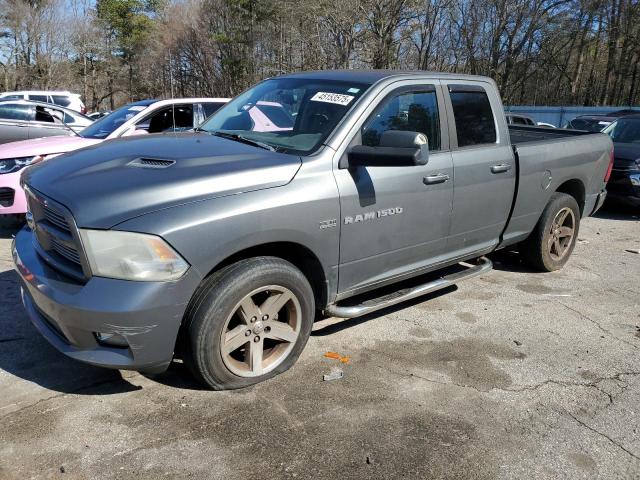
{"type": "Point", "coordinates": [248, 322]}
{"type": "Point", "coordinates": [551, 243]}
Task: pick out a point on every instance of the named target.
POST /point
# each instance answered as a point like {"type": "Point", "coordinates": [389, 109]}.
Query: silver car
{"type": "Point", "coordinates": [23, 120]}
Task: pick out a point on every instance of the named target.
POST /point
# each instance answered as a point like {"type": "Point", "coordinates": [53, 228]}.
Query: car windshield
{"type": "Point", "coordinates": [104, 126]}
{"type": "Point", "coordinates": [290, 115]}
{"type": "Point", "coordinates": [624, 130]}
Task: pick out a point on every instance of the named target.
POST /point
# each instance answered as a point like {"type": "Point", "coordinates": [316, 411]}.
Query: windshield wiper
{"type": "Point", "coordinates": [240, 138]}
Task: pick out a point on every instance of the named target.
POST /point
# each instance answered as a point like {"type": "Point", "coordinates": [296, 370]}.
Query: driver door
{"type": "Point", "coordinates": [395, 220]}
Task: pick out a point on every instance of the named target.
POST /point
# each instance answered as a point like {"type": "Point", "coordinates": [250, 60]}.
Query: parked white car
{"type": "Point", "coordinates": [61, 98]}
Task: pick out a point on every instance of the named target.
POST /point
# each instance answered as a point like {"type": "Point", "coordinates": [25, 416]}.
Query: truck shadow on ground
{"type": "Point", "coordinates": [612, 210]}
{"type": "Point", "coordinates": [508, 260]}
{"type": "Point", "coordinates": [25, 354]}
{"type": "Point", "coordinates": [9, 227]}
{"type": "Point", "coordinates": [177, 376]}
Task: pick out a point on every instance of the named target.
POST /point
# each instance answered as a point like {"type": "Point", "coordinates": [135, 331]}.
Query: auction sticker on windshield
{"type": "Point", "coordinates": [337, 98]}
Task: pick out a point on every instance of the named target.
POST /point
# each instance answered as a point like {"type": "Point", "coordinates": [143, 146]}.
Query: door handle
{"type": "Point", "coordinates": [435, 179]}
{"type": "Point", "coordinates": [500, 168]}
{"type": "Point", "coordinates": [22, 125]}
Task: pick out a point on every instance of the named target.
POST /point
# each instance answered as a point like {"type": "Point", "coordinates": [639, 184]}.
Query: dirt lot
{"type": "Point", "coordinates": [512, 375]}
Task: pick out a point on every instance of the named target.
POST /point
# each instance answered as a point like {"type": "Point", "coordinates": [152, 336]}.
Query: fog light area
{"type": "Point", "coordinates": [111, 339]}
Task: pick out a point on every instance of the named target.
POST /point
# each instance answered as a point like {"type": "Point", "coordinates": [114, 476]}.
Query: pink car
{"type": "Point", "coordinates": [148, 116]}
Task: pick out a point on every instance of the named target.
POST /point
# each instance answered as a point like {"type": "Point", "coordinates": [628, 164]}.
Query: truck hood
{"type": "Point", "coordinates": [45, 146]}
{"type": "Point", "coordinates": [120, 179]}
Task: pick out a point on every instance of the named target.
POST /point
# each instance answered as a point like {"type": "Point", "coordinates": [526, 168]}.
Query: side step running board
{"type": "Point", "coordinates": [335, 310]}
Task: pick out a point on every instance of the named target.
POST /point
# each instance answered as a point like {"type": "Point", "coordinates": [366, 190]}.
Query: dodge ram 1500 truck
{"type": "Point", "coordinates": [220, 245]}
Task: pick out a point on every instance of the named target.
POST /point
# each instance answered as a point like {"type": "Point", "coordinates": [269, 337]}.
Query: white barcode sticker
{"type": "Point", "coordinates": [337, 98]}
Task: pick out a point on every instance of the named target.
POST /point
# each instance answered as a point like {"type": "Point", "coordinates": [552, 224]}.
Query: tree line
{"type": "Point", "coordinates": [542, 52]}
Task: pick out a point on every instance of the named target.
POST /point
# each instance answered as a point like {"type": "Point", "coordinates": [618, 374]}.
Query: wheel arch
{"type": "Point", "coordinates": [297, 254]}
{"type": "Point", "coordinates": [574, 187]}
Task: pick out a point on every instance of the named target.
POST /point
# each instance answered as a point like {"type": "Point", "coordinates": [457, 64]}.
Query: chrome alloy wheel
{"type": "Point", "coordinates": [261, 331]}
{"type": "Point", "coordinates": [561, 234]}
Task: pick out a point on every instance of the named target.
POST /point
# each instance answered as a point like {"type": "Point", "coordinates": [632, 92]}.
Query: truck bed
{"type": "Point", "coordinates": [545, 159]}
{"type": "Point", "coordinates": [521, 134]}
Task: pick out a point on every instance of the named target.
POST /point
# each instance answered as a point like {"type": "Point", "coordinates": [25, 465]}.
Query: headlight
{"type": "Point", "coordinates": [131, 256]}
{"type": "Point", "coordinates": [10, 165]}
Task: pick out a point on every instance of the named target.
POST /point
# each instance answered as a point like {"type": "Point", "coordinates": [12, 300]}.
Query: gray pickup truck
{"type": "Point", "coordinates": [358, 190]}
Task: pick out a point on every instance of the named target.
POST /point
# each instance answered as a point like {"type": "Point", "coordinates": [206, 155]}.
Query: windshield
{"type": "Point", "coordinates": [104, 126]}
{"type": "Point", "coordinates": [289, 114]}
{"type": "Point", "coordinates": [625, 130]}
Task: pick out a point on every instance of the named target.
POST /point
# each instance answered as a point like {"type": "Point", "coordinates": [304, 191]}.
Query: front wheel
{"type": "Point", "coordinates": [551, 243]}
{"type": "Point", "coordinates": [248, 322]}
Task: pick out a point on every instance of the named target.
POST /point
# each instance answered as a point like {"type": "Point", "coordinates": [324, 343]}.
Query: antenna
{"type": "Point", "coordinates": [173, 106]}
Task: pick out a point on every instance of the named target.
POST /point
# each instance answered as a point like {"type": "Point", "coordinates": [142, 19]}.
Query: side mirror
{"type": "Point", "coordinates": [396, 149]}
{"type": "Point", "coordinates": [132, 130]}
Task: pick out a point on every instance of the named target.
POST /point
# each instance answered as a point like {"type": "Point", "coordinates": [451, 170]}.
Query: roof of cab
{"type": "Point", "coordinates": [373, 76]}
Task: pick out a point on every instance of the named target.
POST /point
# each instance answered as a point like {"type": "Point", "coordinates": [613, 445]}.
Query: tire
{"type": "Point", "coordinates": [551, 243]}
{"type": "Point", "coordinates": [236, 318]}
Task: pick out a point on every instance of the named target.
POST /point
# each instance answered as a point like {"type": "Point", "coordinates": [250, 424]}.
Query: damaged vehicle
{"type": "Point", "coordinates": [220, 245]}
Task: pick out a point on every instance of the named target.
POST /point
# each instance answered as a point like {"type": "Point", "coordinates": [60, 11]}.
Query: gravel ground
{"type": "Point", "coordinates": [511, 375]}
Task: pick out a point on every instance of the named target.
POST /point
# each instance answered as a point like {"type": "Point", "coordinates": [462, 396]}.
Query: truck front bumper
{"type": "Point", "coordinates": [73, 317]}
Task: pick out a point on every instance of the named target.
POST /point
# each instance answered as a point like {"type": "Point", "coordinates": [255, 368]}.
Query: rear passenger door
{"type": "Point", "coordinates": [484, 167]}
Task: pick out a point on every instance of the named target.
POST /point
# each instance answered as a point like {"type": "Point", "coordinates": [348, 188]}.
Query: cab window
{"type": "Point", "coordinates": [475, 124]}
{"type": "Point", "coordinates": [414, 111]}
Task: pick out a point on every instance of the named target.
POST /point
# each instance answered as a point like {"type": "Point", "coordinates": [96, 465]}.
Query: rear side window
{"type": "Point", "coordinates": [519, 121]}
{"type": "Point", "coordinates": [47, 115]}
{"type": "Point", "coordinates": [411, 111]}
{"type": "Point", "coordinates": [39, 98]}
{"type": "Point", "coordinates": [61, 100]}
{"type": "Point", "coordinates": [11, 111]}
{"type": "Point", "coordinates": [475, 124]}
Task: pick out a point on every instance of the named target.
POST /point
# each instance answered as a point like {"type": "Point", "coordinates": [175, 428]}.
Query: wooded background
{"type": "Point", "coordinates": [541, 52]}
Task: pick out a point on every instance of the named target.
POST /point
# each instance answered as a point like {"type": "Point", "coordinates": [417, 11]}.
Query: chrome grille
{"type": "Point", "coordinates": [56, 236]}
{"type": "Point", "coordinates": [67, 252]}
{"type": "Point", "coordinates": [55, 218]}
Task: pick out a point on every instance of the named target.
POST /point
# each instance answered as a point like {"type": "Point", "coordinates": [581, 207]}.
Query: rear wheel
{"type": "Point", "coordinates": [551, 243]}
{"type": "Point", "coordinates": [248, 322]}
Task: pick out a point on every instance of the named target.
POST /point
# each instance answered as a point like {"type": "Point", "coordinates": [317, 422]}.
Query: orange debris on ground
{"type": "Point", "coordinates": [337, 356]}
